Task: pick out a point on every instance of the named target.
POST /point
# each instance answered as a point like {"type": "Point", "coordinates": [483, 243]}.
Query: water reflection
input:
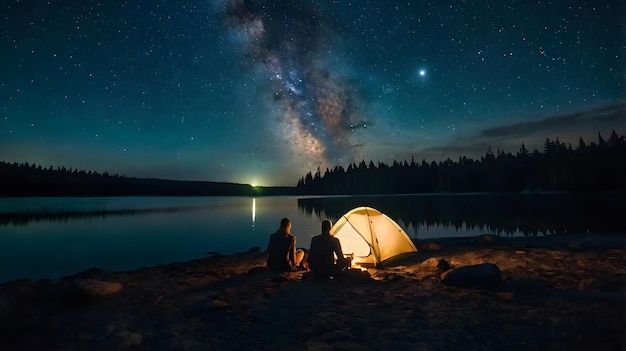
{"type": "Point", "coordinates": [24, 218]}
{"type": "Point", "coordinates": [499, 214]}
{"type": "Point", "coordinates": [75, 234]}
{"type": "Point", "coordinates": [253, 212]}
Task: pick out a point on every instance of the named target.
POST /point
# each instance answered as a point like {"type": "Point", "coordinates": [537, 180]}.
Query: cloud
{"type": "Point", "coordinates": [568, 128]}
{"type": "Point", "coordinates": [610, 116]}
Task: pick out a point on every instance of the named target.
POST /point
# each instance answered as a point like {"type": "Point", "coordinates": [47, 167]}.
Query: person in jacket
{"type": "Point", "coordinates": [281, 249]}
{"type": "Point", "coordinates": [325, 256]}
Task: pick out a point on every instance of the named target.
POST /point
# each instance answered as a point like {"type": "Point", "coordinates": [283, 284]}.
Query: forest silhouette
{"type": "Point", "coordinates": [25, 179]}
{"type": "Point", "coordinates": [597, 166]}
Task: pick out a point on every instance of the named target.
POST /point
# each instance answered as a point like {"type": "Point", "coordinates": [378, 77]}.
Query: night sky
{"type": "Point", "coordinates": [261, 92]}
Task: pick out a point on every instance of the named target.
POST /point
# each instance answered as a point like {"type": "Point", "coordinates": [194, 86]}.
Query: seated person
{"type": "Point", "coordinates": [324, 247]}
{"type": "Point", "coordinates": [281, 249]}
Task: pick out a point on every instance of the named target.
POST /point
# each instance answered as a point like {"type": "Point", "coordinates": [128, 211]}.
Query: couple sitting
{"type": "Point", "coordinates": [283, 256]}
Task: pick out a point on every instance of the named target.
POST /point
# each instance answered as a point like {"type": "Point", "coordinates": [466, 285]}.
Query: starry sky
{"type": "Point", "coordinates": [261, 91]}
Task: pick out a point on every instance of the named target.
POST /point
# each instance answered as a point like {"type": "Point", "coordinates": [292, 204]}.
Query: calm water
{"type": "Point", "coordinates": [55, 237]}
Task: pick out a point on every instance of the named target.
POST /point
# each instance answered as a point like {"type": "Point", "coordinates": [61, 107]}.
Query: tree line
{"type": "Point", "coordinates": [24, 179]}
{"type": "Point", "coordinates": [597, 166]}
{"type": "Point", "coordinates": [594, 166]}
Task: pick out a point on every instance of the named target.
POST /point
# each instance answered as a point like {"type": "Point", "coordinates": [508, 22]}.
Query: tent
{"type": "Point", "coordinates": [372, 238]}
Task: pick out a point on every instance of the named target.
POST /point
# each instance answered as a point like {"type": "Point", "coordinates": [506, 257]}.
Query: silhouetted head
{"type": "Point", "coordinates": [285, 225]}
{"type": "Point", "coordinates": [326, 225]}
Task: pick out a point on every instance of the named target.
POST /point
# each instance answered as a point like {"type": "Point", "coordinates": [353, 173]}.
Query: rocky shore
{"type": "Point", "coordinates": [563, 292]}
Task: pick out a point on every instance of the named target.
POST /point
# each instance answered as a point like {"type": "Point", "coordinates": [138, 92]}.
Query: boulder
{"type": "Point", "coordinates": [432, 267]}
{"type": "Point", "coordinates": [432, 264]}
{"type": "Point", "coordinates": [481, 276]}
{"type": "Point", "coordinates": [429, 264]}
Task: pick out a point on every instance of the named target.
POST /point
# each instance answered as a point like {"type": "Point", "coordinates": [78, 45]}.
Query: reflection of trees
{"type": "Point", "coordinates": [23, 218]}
{"type": "Point", "coordinates": [501, 214]}
{"type": "Point", "coordinates": [590, 167]}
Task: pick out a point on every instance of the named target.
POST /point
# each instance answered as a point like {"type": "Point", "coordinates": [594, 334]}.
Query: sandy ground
{"type": "Point", "coordinates": [557, 293]}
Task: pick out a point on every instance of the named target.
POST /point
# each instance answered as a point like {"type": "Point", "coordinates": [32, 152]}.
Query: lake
{"type": "Point", "coordinates": [55, 237]}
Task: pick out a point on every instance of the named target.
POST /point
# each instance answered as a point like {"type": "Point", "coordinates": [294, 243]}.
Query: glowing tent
{"type": "Point", "coordinates": [372, 238]}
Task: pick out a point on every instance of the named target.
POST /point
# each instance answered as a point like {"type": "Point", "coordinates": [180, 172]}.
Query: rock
{"type": "Point", "coordinates": [434, 264]}
{"type": "Point", "coordinates": [98, 288]}
{"type": "Point", "coordinates": [432, 267]}
{"type": "Point", "coordinates": [520, 252]}
{"type": "Point", "coordinates": [429, 264]}
{"type": "Point", "coordinates": [482, 276]}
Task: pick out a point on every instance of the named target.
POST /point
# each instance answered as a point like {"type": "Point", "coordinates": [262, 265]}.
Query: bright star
{"type": "Point", "coordinates": [422, 73]}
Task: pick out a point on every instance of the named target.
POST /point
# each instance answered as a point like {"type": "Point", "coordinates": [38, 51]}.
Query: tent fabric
{"type": "Point", "coordinates": [371, 237]}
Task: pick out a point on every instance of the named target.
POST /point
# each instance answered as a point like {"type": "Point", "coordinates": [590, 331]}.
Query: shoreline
{"type": "Point", "coordinates": [556, 292]}
{"type": "Point", "coordinates": [427, 242]}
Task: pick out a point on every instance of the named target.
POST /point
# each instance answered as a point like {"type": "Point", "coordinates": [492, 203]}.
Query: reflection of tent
{"type": "Point", "coordinates": [372, 237]}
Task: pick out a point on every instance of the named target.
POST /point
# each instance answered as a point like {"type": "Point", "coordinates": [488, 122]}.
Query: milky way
{"type": "Point", "coordinates": [317, 110]}
{"type": "Point", "coordinates": [263, 92]}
